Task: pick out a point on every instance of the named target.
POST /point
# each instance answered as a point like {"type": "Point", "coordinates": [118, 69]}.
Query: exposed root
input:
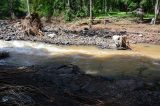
{"type": "Point", "coordinates": [32, 25]}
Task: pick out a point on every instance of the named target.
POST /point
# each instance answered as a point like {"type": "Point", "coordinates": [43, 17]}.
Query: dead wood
{"type": "Point", "coordinates": [32, 25]}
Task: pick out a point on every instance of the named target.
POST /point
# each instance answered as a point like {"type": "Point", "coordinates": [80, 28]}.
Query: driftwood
{"type": "Point", "coordinates": [32, 25]}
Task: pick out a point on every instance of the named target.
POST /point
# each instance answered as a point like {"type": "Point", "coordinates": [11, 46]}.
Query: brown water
{"type": "Point", "coordinates": [143, 61]}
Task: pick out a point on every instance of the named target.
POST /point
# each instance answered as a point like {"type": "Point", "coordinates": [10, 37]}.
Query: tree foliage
{"type": "Point", "coordinates": [76, 8]}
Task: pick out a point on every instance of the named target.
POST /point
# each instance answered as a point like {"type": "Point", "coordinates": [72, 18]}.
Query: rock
{"type": "Point", "coordinates": [1, 37]}
{"type": "Point", "coordinates": [51, 35]}
{"type": "Point", "coordinates": [8, 38]}
{"type": "Point", "coordinates": [140, 35]}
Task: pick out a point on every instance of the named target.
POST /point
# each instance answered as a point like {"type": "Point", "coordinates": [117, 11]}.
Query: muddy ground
{"type": "Point", "coordinates": [78, 34]}
{"type": "Point", "coordinates": [67, 85]}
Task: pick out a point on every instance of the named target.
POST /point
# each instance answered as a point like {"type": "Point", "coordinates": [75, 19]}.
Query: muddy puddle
{"type": "Point", "coordinates": [143, 61]}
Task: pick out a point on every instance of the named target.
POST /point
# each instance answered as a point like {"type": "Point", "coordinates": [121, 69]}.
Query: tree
{"type": "Point", "coordinates": [28, 8]}
{"type": "Point", "coordinates": [11, 11]}
{"type": "Point", "coordinates": [68, 12]}
{"type": "Point", "coordinates": [73, 8]}
{"type": "Point", "coordinates": [156, 10]}
{"type": "Point", "coordinates": [91, 17]}
{"type": "Point", "coordinates": [105, 6]}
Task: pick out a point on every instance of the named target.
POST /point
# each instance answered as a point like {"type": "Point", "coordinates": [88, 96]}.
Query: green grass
{"type": "Point", "coordinates": [115, 15]}
{"type": "Point", "coordinates": [123, 15]}
{"type": "Point", "coordinates": [148, 16]}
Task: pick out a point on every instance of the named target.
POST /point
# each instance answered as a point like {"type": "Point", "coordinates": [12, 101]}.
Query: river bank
{"type": "Point", "coordinates": [66, 34]}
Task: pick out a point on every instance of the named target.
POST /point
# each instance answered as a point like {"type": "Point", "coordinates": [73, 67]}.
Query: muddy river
{"type": "Point", "coordinates": [142, 61]}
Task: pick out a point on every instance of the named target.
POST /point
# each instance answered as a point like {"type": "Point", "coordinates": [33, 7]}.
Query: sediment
{"type": "Point", "coordinates": [61, 35]}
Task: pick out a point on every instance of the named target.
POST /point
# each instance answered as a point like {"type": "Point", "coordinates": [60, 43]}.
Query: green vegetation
{"type": "Point", "coordinates": [115, 15]}
{"type": "Point", "coordinates": [71, 9]}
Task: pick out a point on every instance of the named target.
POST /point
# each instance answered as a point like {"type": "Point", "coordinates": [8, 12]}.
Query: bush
{"type": "Point", "coordinates": [133, 6]}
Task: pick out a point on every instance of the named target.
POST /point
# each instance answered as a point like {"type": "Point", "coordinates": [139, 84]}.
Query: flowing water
{"type": "Point", "coordinates": [143, 61]}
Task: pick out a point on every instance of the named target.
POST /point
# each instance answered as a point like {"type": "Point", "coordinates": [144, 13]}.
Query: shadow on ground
{"type": "Point", "coordinates": [66, 84]}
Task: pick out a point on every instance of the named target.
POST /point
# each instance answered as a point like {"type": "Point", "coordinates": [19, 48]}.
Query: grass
{"type": "Point", "coordinates": [122, 15]}
{"type": "Point", "coordinates": [115, 15]}
{"type": "Point", "coordinates": [148, 16]}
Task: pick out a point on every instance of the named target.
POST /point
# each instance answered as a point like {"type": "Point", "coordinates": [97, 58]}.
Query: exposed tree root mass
{"type": "Point", "coordinates": [32, 25]}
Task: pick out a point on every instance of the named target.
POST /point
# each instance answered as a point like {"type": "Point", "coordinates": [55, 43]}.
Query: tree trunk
{"type": "Point", "coordinates": [28, 8]}
{"type": "Point", "coordinates": [91, 17]}
{"type": "Point", "coordinates": [11, 11]}
{"type": "Point", "coordinates": [105, 6]}
{"type": "Point", "coordinates": [68, 4]}
{"type": "Point", "coordinates": [156, 10]}
{"type": "Point", "coordinates": [81, 4]}
{"type": "Point", "coordinates": [64, 4]}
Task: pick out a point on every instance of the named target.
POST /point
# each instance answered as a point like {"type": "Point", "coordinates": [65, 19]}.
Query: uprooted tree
{"type": "Point", "coordinates": [32, 25]}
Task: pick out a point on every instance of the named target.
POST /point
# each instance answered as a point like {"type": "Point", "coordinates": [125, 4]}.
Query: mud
{"type": "Point", "coordinates": [66, 35]}
{"type": "Point", "coordinates": [63, 85]}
